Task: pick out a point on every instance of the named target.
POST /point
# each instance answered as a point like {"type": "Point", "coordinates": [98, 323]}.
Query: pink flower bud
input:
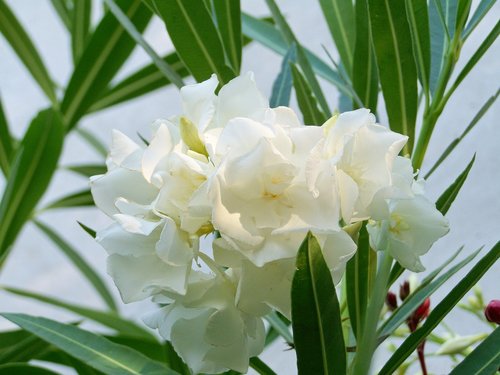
{"type": "Point", "coordinates": [391, 301]}
{"type": "Point", "coordinates": [423, 310]}
{"type": "Point", "coordinates": [404, 290]}
{"type": "Point", "coordinates": [492, 311]}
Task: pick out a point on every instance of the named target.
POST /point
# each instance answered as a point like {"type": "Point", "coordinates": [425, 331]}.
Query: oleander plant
{"type": "Point", "coordinates": [250, 218]}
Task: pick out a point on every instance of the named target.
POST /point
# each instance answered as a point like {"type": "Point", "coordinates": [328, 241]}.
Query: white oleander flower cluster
{"type": "Point", "coordinates": [255, 180]}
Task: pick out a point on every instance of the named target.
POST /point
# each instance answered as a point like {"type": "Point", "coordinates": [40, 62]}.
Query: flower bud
{"type": "Point", "coordinates": [423, 310]}
{"type": "Point", "coordinates": [404, 290]}
{"type": "Point", "coordinates": [458, 344]}
{"type": "Point", "coordinates": [391, 301]}
{"type": "Point", "coordinates": [492, 311]}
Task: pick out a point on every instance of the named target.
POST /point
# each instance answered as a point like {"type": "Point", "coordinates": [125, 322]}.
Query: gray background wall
{"type": "Point", "coordinates": [35, 264]}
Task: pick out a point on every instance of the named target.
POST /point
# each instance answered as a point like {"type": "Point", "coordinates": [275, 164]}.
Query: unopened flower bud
{"type": "Point", "coordinates": [492, 311]}
{"type": "Point", "coordinates": [423, 310]}
{"type": "Point", "coordinates": [404, 290]}
{"type": "Point", "coordinates": [391, 301]}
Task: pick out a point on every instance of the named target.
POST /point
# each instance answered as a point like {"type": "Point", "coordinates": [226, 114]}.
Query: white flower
{"type": "Point", "coordinates": [209, 332]}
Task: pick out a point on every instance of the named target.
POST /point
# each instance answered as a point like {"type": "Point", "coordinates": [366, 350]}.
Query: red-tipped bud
{"type": "Point", "coordinates": [423, 310]}
{"type": "Point", "coordinates": [404, 290]}
{"type": "Point", "coordinates": [391, 301]}
{"type": "Point", "coordinates": [492, 311]}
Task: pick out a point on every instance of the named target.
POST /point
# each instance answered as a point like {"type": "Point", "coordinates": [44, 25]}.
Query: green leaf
{"type": "Point", "coordinates": [87, 170]}
{"type": "Point", "coordinates": [106, 51]}
{"type": "Point", "coordinates": [266, 34]}
{"type": "Point", "coordinates": [23, 350]}
{"type": "Point", "coordinates": [22, 45]}
{"type": "Point", "coordinates": [418, 297]}
{"type": "Point", "coordinates": [162, 66]}
{"type": "Point", "coordinates": [360, 276]}
{"type": "Point", "coordinates": [24, 369]}
{"type": "Point", "coordinates": [108, 319]}
{"type": "Point", "coordinates": [469, 127]}
{"type": "Point", "coordinates": [87, 229]}
{"type": "Point", "coordinates": [441, 310]}
{"type": "Point", "coordinates": [282, 86]}
{"type": "Point", "coordinates": [79, 199]}
{"type": "Point", "coordinates": [93, 141]}
{"type": "Point", "coordinates": [34, 163]}
{"type": "Point", "coordinates": [463, 10]}
{"type": "Point", "coordinates": [228, 15]}
{"type": "Point", "coordinates": [339, 15]}
{"type": "Point", "coordinates": [6, 144]}
{"type": "Point", "coordinates": [444, 202]}
{"type": "Point", "coordinates": [82, 11]}
{"type": "Point", "coordinates": [302, 58]}
{"type": "Point", "coordinates": [396, 65]}
{"type": "Point", "coordinates": [280, 327]}
{"type": "Point", "coordinates": [484, 360]}
{"type": "Point", "coordinates": [440, 39]}
{"type": "Point", "coordinates": [364, 68]}
{"type": "Point", "coordinates": [64, 13]}
{"type": "Point", "coordinates": [481, 11]}
{"type": "Point", "coordinates": [307, 102]}
{"type": "Point", "coordinates": [80, 263]}
{"type": "Point", "coordinates": [94, 350]}
{"type": "Point", "coordinates": [485, 45]}
{"type": "Point", "coordinates": [418, 20]}
{"type": "Point", "coordinates": [260, 366]}
{"type": "Point", "coordinates": [316, 321]}
{"type": "Point", "coordinates": [143, 81]}
{"type": "Point", "coordinates": [195, 38]}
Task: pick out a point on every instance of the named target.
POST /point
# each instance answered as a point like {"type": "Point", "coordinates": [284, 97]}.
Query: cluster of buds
{"type": "Point", "coordinates": [420, 313]}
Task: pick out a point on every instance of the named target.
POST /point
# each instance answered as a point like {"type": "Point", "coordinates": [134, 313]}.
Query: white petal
{"type": "Point", "coordinates": [198, 101]}
{"type": "Point", "coordinates": [118, 241]}
{"type": "Point", "coordinates": [173, 246]}
{"type": "Point", "coordinates": [161, 145]}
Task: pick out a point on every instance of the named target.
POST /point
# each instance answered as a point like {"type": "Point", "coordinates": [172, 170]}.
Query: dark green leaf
{"type": "Point", "coordinates": [228, 15]}
{"type": "Point", "coordinates": [82, 10]}
{"type": "Point", "coordinates": [33, 165]}
{"type": "Point", "coordinates": [441, 310]}
{"type": "Point", "coordinates": [316, 321]}
{"type": "Point", "coordinates": [440, 39]}
{"type": "Point", "coordinates": [396, 65]}
{"type": "Point", "coordinates": [481, 10]}
{"type": "Point", "coordinates": [64, 13]}
{"type": "Point", "coordinates": [463, 10]}
{"type": "Point", "coordinates": [87, 170]}
{"type": "Point", "coordinates": [307, 102]}
{"type": "Point", "coordinates": [195, 38]}
{"type": "Point", "coordinates": [364, 69]}
{"type": "Point", "coordinates": [80, 263]}
{"type": "Point", "coordinates": [79, 199]}
{"type": "Point", "coordinates": [23, 350]}
{"type": "Point", "coordinates": [21, 43]}
{"type": "Point", "coordinates": [260, 367]}
{"type": "Point", "coordinates": [469, 127]}
{"type": "Point", "coordinates": [282, 86]}
{"type": "Point", "coordinates": [87, 229]}
{"type": "Point", "coordinates": [94, 350]}
{"type": "Point", "coordinates": [339, 15]}
{"type": "Point", "coordinates": [444, 202]}
{"type": "Point", "coordinates": [107, 319]}
{"type": "Point", "coordinates": [173, 360]}
{"type": "Point", "coordinates": [106, 51]}
{"type": "Point", "coordinates": [6, 146]}
{"type": "Point", "coordinates": [418, 297]}
{"type": "Point", "coordinates": [24, 369]}
{"type": "Point", "coordinates": [143, 81]}
{"type": "Point", "coordinates": [302, 58]}
{"type": "Point", "coordinates": [360, 276]}
{"type": "Point", "coordinates": [418, 20]}
{"type": "Point", "coordinates": [484, 360]}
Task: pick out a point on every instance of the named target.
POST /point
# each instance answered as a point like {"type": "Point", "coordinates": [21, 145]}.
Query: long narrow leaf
{"type": "Point", "coordinates": [93, 141]}
{"type": "Point", "coordinates": [64, 13]}
{"type": "Point", "coordinates": [441, 310]}
{"type": "Point", "coordinates": [79, 199]}
{"type": "Point", "coordinates": [87, 170]}
{"type": "Point", "coordinates": [81, 13]}
{"type": "Point", "coordinates": [260, 367]}
{"type": "Point", "coordinates": [481, 11]}
{"type": "Point", "coordinates": [484, 360]}
{"type": "Point", "coordinates": [316, 321]}
{"type": "Point", "coordinates": [107, 319]}
{"type": "Point", "coordinates": [444, 202]}
{"type": "Point", "coordinates": [364, 70]}
{"type": "Point", "coordinates": [21, 43]}
{"type": "Point", "coordinates": [23, 368]}
{"type": "Point", "coordinates": [307, 102]}
{"type": "Point", "coordinates": [282, 86]}
{"type": "Point", "coordinates": [195, 38]}
{"type": "Point", "coordinates": [94, 350]}
{"type": "Point", "coordinates": [33, 165]}
{"type": "Point", "coordinates": [440, 39]}
{"type": "Point", "coordinates": [396, 65]}
{"type": "Point", "coordinates": [339, 15]}
{"type": "Point", "coordinates": [6, 146]}
{"type": "Point", "coordinates": [469, 127]}
{"type": "Point", "coordinates": [80, 263]}
{"type": "Point", "coordinates": [107, 50]}
{"type": "Point", "coordinates": [302, 58]}
{"type": "Point", "coordinates": [280, 327]}
{"type": "Point", "coordinates": [228, 15]}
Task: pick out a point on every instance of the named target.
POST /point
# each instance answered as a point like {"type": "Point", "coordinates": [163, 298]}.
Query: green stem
{"type": "Point", "coordinates": [368, 342]}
